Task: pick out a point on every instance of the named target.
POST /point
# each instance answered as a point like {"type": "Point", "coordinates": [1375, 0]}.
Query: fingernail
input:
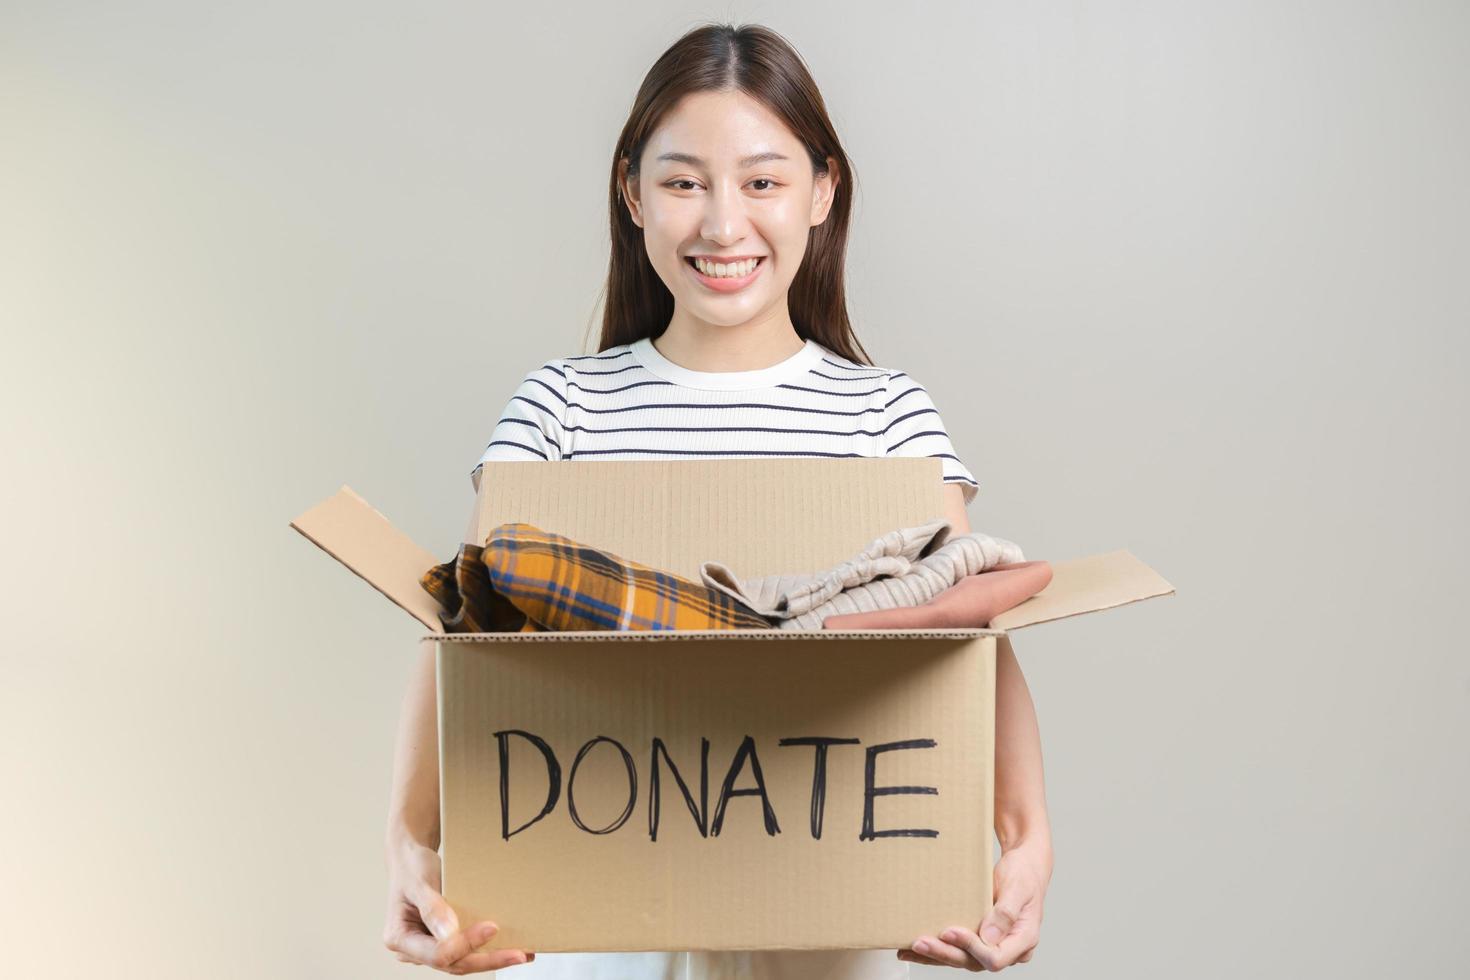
{"type": "Point", "coordinates": [991, 935]}
{"type": "Point", "coordinates": [921, 947]}
{"type": "Point", "coordinates": [948, 935]}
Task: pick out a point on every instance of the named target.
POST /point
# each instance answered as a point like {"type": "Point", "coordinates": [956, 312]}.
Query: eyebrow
{"type": "Point", "coordinates": [695, 161]}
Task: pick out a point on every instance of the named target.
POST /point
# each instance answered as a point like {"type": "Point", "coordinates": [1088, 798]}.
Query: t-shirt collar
{"type": "Point", "coordinates": [793, 367]}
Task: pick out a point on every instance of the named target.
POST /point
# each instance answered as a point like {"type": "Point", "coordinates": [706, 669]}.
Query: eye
{"type": "Point", "coordinates": [676, 184]}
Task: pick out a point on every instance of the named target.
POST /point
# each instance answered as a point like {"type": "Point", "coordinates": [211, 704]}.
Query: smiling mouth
{"type": "Point", "coordinates": [691, 261]}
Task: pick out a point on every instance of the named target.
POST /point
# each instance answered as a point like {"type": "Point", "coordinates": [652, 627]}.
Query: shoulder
{"type": "Point", "coordinates": [608, 361]}
{"type": "Point", "coordinates": [556, 374]}
{"type": "Point", "coordinates": [907, 405]}
{"type": "Point", "coordinates": [912, 426]}
{"type": "Point", "coordinates": [597, 375]}
{"type": "Point", "coordinates": [544, 387]}
{"type": "Point", "coordinates": [557, 382]}
{"type": "Point", "coordinates": [555, 369]}
{"type": "Point", "coordinates": [906, 394]}
{"type": "Point", "coordinates": [892, 379]}
{"type": "Point", "coordinates": [897, 391]}
{"type": "Point", "coordinates": [833, 362]}
{"type": "Point", "coordinates": [841, 375]}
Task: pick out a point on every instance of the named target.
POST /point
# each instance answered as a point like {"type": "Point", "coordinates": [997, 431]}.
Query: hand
{"type": "Point", "coordinates": [1010, 932]}
{"type": "Point", "coordinates": [415, 907]}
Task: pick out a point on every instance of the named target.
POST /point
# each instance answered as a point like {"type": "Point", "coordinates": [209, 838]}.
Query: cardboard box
{"type": "Point", "coordinates": [740, 789]}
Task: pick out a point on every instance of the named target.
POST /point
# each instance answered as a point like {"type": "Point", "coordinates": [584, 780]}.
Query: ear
{"type": "Point", "coordinates": [628, 192]}
{"type": "Point", "coordinates": [824, 189]}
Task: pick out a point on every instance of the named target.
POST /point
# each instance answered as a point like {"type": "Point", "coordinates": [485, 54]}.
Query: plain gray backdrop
{"type": "Point", "coordinates": [1185, 278]}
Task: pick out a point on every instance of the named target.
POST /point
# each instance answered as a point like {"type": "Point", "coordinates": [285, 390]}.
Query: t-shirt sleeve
{"type": "Point", "coordinates": [913, 427]}
{"type": "Point", "coordinates": [530, 426]}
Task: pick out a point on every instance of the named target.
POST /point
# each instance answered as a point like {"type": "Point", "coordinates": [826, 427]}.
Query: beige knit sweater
{"type": "Point", "coordinates": [906, 567]}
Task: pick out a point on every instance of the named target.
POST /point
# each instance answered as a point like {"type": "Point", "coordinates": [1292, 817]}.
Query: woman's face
{"type": "Point", "coordinates": [723, 178]}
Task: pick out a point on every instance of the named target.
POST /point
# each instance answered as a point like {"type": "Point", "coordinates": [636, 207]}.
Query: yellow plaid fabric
{"type": "Point", "coordinates": [471, 605]}
{"type": "Point", "coordinates": [525, 580]}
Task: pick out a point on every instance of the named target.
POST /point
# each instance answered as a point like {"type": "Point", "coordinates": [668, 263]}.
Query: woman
{"type": "Point", "coordinates": [725, 334]}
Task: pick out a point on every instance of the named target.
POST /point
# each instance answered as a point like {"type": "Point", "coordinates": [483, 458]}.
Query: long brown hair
{"type": "Point", "coordinates": [759, 62]}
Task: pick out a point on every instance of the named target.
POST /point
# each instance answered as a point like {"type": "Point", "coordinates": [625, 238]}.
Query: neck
{"type": "Point", "coordinates": [699, 345]}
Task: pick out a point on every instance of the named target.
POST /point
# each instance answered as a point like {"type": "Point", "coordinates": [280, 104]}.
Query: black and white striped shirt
{"type": "Point", "coordinates": [630, 402]}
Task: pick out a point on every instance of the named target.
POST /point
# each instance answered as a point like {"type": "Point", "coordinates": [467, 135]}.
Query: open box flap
{"type": "Point", "coordinates": [1084, 585]}
{"type": "Point", "coordinates": [761, 516]}
{"type": "Point", "coordinates": [350, 530]}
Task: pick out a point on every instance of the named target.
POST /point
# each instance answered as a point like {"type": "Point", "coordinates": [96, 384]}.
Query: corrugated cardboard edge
{"type": "Point", "coordinates": [350, 530]}
{"type": "Point", "coordinates": [430, 645]}
{"type": "Point", "coordinates": [565, 636]}
{"type": "Point", "coordinates": [1084, 585]}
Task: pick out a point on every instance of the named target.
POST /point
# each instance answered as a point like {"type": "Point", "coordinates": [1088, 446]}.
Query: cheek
{"type": "Point", "coordinates": [783, 225]}
{"type": "Point", "coordinates": [663, 232]}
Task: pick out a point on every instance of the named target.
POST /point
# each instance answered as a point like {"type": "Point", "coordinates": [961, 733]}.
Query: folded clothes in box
{"type": "Point", "coordinates": [526, 579]}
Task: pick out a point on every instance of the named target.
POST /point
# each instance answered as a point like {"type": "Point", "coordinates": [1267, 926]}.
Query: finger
{"type": "Point", "coordinates": [998, 923]}
{"type": "Point", "coordinates": [425, 950]}
{"type": "Point", "coordinates": [994, 957]}
{"type": "Point", "coordinates": [491, 959]}
{"type": "Point", "coordinates": [414, 947]}
{"type": "Point", "coordinates": [440, 953]}
{"type": "Point", "coordinates": [478, 960]}
{"type": "Point", "coordinates": [909, 956]}
{"type": "Point", "coordinates": [942, 953]}
{"type": "Point", "coordinates": [438, 915]}
{"type": "Point", "coordinates": [476, 936]}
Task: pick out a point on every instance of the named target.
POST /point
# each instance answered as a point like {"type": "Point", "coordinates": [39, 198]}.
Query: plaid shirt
{"type": "Point", "coordinates": [528, 580]}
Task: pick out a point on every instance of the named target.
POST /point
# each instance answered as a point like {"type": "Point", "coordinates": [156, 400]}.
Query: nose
{"type": "Point", "coordinates": [725, 220]}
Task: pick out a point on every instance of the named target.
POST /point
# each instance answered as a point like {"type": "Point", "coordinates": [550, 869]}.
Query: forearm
{"type": "Point", "coordinates": [1020, 789]}
{"type": "Point", "coordinates": [413, 812]}
{"type": "Point", "coordinates": [1020, 792]}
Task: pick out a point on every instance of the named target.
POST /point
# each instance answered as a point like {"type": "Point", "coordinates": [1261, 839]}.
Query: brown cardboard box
{"type": "Point", "coordinates": [741, 789]}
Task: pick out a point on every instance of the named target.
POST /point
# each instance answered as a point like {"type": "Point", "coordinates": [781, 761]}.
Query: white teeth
{"type": "Point", "coordinates": [723, 270]}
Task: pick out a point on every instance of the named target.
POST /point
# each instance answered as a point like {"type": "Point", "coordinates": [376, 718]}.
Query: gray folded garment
{"type": "Point", "coordinates": [906, 567]}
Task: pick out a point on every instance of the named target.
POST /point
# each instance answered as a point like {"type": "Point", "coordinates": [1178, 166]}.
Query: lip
{"type": "Point", "coordinates": [726, 285]}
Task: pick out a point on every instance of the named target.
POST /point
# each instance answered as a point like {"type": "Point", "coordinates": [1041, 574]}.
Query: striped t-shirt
{"type": "Point", "coordinates": [630, 402]}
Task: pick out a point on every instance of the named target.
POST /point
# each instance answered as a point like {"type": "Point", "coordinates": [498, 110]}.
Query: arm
{"type": "Point", "coordinates": [413, 813]}
{"type": "Point", "coordinates": [1020, 791]}
{"type": "Point", "coordinates": [421, 926]}
{"type": "Point", "coordinates": [1011, 929]}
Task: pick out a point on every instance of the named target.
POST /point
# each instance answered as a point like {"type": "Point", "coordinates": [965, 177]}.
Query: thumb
{"type": "Point", "coordinates": [437, 914]}
{"type": "Point", "coordinates": [997, 924]}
